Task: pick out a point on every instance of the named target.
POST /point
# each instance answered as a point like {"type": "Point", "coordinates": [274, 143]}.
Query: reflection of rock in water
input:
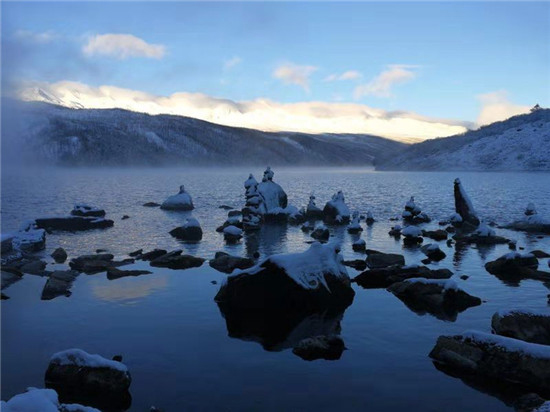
{"type": "Point", "coordinates": [276, 330]}
{"type": "Point", "coordinates": [460, 251]}
{"type": "Point", "coordinates": [271, 236]}
{"type": "Point", "coordinates": [484, 251]}
{"type": "Point", "coordinates": [510, 394]}
{"type": "Point", "coordinates": [105, 401]}
{"type": "Point", "coordinates": [252, 243]}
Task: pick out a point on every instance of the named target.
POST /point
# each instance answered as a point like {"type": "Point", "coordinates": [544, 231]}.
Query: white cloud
{"type": "Point", "coordinates": [42, 38]}
{"type": "Point", "coordinates": [291, 73]}
{"type": "Point", "coordinates": [232, 62]}
{"type": "Point", "coordinates": [381, 85]}
{"type": "Point", "coordinates": [495, 106]}
{"type": "Point", "coordinates": [348, 75]}
{"type": "Point", "coordinates": [262, 114]}
{"type": "Point", "coordinates": [122, 46]}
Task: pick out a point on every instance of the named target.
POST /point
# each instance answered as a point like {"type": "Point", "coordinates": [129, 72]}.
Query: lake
{"type": "Point", "coordinates": [171, 333]}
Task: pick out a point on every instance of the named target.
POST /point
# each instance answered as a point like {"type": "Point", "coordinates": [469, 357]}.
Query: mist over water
{"type": "Point", "coordinates": [172, 334]}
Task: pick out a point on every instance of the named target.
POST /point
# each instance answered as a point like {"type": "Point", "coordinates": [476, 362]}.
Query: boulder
{"type": "Point", "coordinates": [190, 231]}
{"type": "Point", "coordinates": [320, 347]}
{"type": "Point", "coordinates": [321, 233]}
{"type": "Point", "coordinates": [433, 252]}
{"type": "Point", "coordinates": [412, 235]}
{"type": "Point", "coordinates": [384, 277]}
{"type": "Point", "coordinates": [30, 238]}
{"type": "Point", "coordinates": [312, 211]}
{"type": "Point", "coordinates": [531, 222]}
{"type": "Point", "coordinates": [413, 214]}
{"type": "Point", "coordinates": [73, 223]}
{"type": "Point", "coordinates": [34, 267]}
{"type": "Point", "coordinates": [438, 234]}
{"type": "Point", "coordinates": [395, 231]}
{"type": "Point", "coordinates": [517, 265]}
{"type": "Point", "coordinates": [232, 234]}
{"type": "Point", "coordinates": [355, 224]}
{"type": "Point", "coordinates": [254, 209]}
{"type": "Point", "coordinates": [175, 260]}
{"type": "Point", "coordinates": [464, 208]}
{"type": "Point", "coordinates": [496, 357]}
{"type": "Point", "coordinates": [336, 211]}
{"type": "Point", "coordinates": [59, 283]}
{"type": "Point", "coordinates": [273, 195]}
{"type": "Point", "coordinates": [81, 209]}
{"type": "Point", "coordinates": [441, 298]}
{"type": "Point", "coordinates": [483, 235]}
{"type": "Point", "coordinates": [152, 255]}
{"type": "Point", "coordinates": [136, 253]}
{"type": "Point", "coordinates": [59, 255]}
{"type": "Point", "coordinates": [100, 262]}
{"type": "Point", "coordinates": [86, 373]}
{"type": "Point", "coordinates": [529, 326]}
{"type": "Point", "coordinates": [539, 254]}
{"type": "Point", "coordinates": [383, 260]}
{"type": "Point", "coordinates": [359, 245]}
{"type": "Point", "coordinates": [180, 201]}
{"type": "Point", "coordinates": [312, 280]}
{"type": "Point", "coordinates": [358, 264]}
{"type": "Point", "coordinates": [227, 264]}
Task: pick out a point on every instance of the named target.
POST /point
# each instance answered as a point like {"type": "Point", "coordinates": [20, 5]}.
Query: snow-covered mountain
{"type": "Point", "coordinates": [38, 132]}
{"type": "Point", "coordinates": [518, 143]}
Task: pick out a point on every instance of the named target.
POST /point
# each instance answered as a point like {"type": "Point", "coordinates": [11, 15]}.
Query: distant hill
{"type": "Point", "coordinates": [37, 132]}
{"type": "Point", "coordinates": [518, 143]}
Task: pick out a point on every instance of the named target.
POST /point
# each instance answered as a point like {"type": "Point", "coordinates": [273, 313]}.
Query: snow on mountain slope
{"type": "Point", "coordinates": [36, 132]}
{"type": "Point", "coordinates": [519, 143]}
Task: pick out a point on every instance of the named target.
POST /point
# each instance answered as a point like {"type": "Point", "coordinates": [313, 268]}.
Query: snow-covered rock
{"type": "Point", "coordinates": [41, 400]}
{"type": "Point", "coordinates": [531, 222]}
{"type": "Point", "coordinates": [312, 211]}
{"type": "Point", "coordinates": [370, 217]}
{"type": "Point", "coordinates": [464, 207]}
{"type": "Point", "coordinates": [412, 235]}
{"type": "Point", "coordinates": [180, 201]}
{"type": "Point", "coordinates": [82, 209]}
{"type": "Point", "coordinates": [355, 224]}
{"type": "Point", "coordinates": [413, 214]}
{"type": "Point", "coordinates": [441, 298]}
{"type": "Point", "coordinates": [314, 279]}
{"type": "Point", "coordinates": [516, 265]}
{"type": "Point", "coordinates": [191, 230]}
{"type": "Point", "coordinates": [254, 208]}
{"type": "Point", "coordinates": [525, 324]}
{"type": "Point", "coordinates": [274, 197]}
{"type": "Point", "coordinates": [320, 233]}
{"type": "Point", "coordinates": [86, 372]}
{"type": "Point", "coordinates": [232, 234]}
{"type": "Point", "coordinates": [359, 245]}
{"type": "Point", "coordinates": [30, 238]}
{"type": "Point", "coordinates": [496, 357]}
{"type": "Point", "coordinates": [433, 252]}
{"type": "Point", "coordinates": [395, 231]}
{"type": "Point", "coordinates": [336, 211]}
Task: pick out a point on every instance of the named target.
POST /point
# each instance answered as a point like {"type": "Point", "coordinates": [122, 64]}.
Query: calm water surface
{"type": "Point", "coordinates": [172, 334]}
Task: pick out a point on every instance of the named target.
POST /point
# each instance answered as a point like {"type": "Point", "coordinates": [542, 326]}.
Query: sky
{"type": "Point", "coordinates": [408, 71]}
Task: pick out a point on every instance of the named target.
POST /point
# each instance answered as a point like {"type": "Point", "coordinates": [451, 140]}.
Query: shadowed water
{"type": "Point", "coordinates": [172, 334]}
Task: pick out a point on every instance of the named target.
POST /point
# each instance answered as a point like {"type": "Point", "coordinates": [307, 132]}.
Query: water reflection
{"type": "Point", "coordinates": [277, 331]}
{"type": "Point", "coordinates": [125, 289]}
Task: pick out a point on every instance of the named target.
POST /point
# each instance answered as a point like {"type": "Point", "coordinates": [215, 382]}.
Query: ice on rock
{"type": "Point", "coordinates": [336, 210]}
{"type": "Point", "coordinates": [484, 230]}
{"type": "Point", "coordinates": [464, 206]}
{"type": "Point", "coordinates": [312, 211]}
{"type": "Point", "coordinates": [254, 208]}
{"type": "Point", "coordinates": [78, 357]}
{"type": "Point", "coordinates": [29, 238]}
{"type": "Point", "coordinates": [355, 224]}
{"type": "Point", "coordinates": [413, 213]}
{"type": "Point", "coordinates": [180, 201]}
{"type": "Point", "coordinates": [274, 197]}
{"type": "Point", "coordinates": [411, 231]}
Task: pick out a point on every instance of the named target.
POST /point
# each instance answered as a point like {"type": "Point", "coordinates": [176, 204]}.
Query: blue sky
{"type": "Point", "coordinates": [432, 59]}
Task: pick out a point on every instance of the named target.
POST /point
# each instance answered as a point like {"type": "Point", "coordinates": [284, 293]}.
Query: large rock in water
{"type": "Point", "coordinates": [73, 223]}
{"type": "Point", "coordinates": [522, 324]}
{"type": "Point", "coordinates": [320, 347]}
{"type": "Point", "coordinates": [464, 207]}
{"type": "Point", "coordinates": [76, 374]}
{"type": "Point", "coordinates": [376, 260]}
{"type": "Point", "coordinates": [227, 263]}
{"type": "Point", "coordinates": [191, 231]}
{"type": "Point", "coordinates": [180, 201]}
{"type": "Point", "coordinates": [496, 357]}
{"type": "Point", "coordinates": [273, 196]}
{"type": "Point", "coordinates": [175, 260]}
{"type": "Point", "coordinates": [336, 211]}
{"type": "Point", "coordinates": [441, 298]}
{"type": "Point", "coordinates": [59, 284]}
{"type": "Point", "coordinates": [515, 265]}
{"type": "Point", "coordinates": [312, 280]}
